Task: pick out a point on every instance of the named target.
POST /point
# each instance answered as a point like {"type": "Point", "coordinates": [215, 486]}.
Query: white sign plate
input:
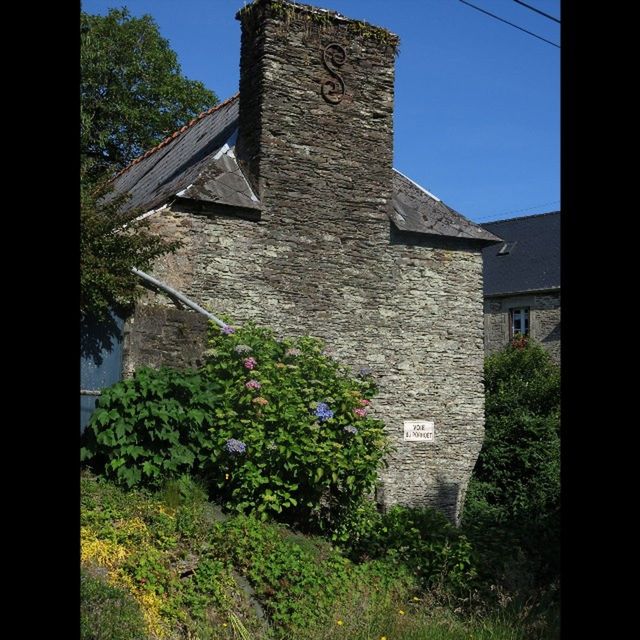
{"type": "Point", "coordinates": [419, 431]}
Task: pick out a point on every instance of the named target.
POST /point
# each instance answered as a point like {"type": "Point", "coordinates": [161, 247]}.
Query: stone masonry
{"type": "Point", "coordinates": [323, 258]}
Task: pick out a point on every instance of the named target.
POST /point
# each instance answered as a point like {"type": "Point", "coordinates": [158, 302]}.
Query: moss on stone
{"type": "Point", "coordinates": [286, 11]}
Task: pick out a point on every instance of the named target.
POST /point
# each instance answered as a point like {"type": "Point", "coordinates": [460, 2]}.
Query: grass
{"type": "Point", "coordinates": [108, 613]}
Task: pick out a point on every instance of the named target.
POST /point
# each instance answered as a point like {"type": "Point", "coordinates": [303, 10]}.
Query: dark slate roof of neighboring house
{"type": "Point", "coordinates": [198, 163]}
{"type": "Point", "coordinates": [528, 259]}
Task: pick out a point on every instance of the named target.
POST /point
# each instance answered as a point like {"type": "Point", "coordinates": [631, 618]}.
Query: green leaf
{"type": "Point", "coordinates": [149, 469]}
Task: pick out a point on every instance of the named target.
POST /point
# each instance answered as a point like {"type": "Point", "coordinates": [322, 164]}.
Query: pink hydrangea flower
{"type": "Point", "coordinates": [261, 401]}
{"type": "Point", "coordinates": [250, 363]}
{"type": "Point", "coordinates": [361, 413]}
{"type": "Point", "coordinates": [364, 402]}
{"type": "Point", "coordinates": [252, 384]}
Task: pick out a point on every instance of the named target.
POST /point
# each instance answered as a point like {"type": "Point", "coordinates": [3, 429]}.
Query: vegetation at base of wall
{"type": "Point", "coordinates": [194, 573]}
{"type": "Point", "coordinates": [434, 551]}
{"type": "Point", "coordinates": [406, 574]}
{"type": "Point", "coordinates": [275, 427]}
{"type": "Point", "coordinates": [304, 582]}
{"type": "Point", "coordinates": [519, 464]}
{"type": "Point", "coordinates": [512, 510]}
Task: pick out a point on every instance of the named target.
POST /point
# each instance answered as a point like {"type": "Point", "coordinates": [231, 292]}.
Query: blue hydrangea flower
{"type": "Point", "coordinates": [228, 329]}
{"type": "Point", "coordinates": [364, 372]}
{"type": "Point", "coordinates": [351, 429]}
{"type": "Point", "coordinates": [323, 412]}
{"type": "Point", "coordinates": [235, 446]}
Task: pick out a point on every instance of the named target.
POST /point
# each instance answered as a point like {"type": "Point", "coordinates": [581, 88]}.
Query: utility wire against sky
{"type": "Point", "coordinates": [542, 13]}
{"type": "Point", "coordinates": [493, 15]}
{"type": "Point", "coordinates": [488, 217]}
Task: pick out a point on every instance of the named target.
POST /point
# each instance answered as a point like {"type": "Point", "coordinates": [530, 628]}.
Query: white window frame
{"type": "Point", "coordinates": [525, 321]}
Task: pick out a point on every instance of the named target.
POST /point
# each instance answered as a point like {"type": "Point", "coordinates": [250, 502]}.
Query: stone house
{"type": "Point", "coordinates": [522, 282]}
{"type": "Point", "coordinates": [291, 215]}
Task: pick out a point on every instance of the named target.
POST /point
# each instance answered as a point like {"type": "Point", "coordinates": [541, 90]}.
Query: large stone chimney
{"type": "Point", "coordinates": [316, 113]}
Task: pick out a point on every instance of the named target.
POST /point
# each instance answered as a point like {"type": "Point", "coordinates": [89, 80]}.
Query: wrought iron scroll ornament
{"type": "Point", "coordinates": [333, 88]}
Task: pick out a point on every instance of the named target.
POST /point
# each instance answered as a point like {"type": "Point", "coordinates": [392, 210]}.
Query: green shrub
{"type": "Point", "coordinates": [152, 427]}
{"type": "Point", "coordinates": [108, 613]}
{"type": "Point", "coordinates": [274, 427]}
{"type": "Point", "coordinates": [518, 470]}
{"type": "Point", "coordinates": [512, 510]}
{"type": "Point", "coordinates": [423, 540]}
{"type": "Point", "coordinates": [519, 464]}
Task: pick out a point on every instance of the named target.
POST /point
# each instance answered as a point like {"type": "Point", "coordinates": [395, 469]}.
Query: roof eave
{"type": "Point", "coordinates": [483, 242]}
{"type": "Point", "coordinates": [522, 292]}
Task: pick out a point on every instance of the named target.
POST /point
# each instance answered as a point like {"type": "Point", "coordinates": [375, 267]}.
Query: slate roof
{"type": "Point", "coordinates": [530, 261]}
{"type": "Point", "coordinates": [415, 209]}
{"type": "Point", "coordinates": [178, 164]}
{"type": "Point", "coordinates": [198, 162]}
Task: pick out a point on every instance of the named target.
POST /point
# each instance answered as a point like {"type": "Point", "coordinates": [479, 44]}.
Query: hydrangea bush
{"type": "Point", "coordinates": [311, 448]}
{"type": "Point", "coordinates": [275, 427]}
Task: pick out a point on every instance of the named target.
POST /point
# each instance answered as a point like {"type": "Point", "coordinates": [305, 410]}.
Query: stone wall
{"type": "Point", "coordinates": [544, 321]}
{"type": "Point", "coordinates": [410, 309]}
{"type": "Point", "coordinates": [157, 336]}
{"type": "Point", "coordinates": [323, 258]}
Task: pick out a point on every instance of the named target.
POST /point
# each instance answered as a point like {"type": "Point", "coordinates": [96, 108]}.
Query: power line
{"type": "Point", "coordinates": [542, 13]}
{"type": "Point", "coordinates": [486, 217]}
{"type": "Point", "coordinates": [509, 23]}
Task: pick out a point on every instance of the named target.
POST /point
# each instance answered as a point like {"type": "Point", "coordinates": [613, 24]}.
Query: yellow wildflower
{"type": "Point", "coordinates": [339, 623]}
{"type": "Point", "coordinates": [101, 552]}
{"type": "Point", "coordinates": [226, 476]}
{"type": "Point", "coordinates": [416, 599]}
{"type": "Point", "coordinates": [150, 604]}
{"type": "Point", "coordinates": [401, 612]}
{"type": "Point", "coordinates": [133, 530]}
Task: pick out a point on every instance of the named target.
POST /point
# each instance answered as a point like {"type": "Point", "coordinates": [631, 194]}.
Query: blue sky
{"type": "Point", "coordinates": [477, 102]}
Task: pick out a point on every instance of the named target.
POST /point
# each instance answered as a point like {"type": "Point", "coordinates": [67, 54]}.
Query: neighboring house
{"type": "Point", "coordinates": [292, 216]}
{"type": "Point", "coordinates": [522, 282]}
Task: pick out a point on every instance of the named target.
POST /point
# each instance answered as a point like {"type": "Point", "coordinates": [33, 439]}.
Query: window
{"type": "Point", "coordinates": [507, 248]}
{"type": "Point", "coordinates": [518, 321]}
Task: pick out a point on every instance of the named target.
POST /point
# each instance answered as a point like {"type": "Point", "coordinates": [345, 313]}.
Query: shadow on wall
{"type": "Point", "coordinates": [445, 496]}
{"type": "Point", "coordinates": [100, 359]}
{"type": "Point", "coordinates": [554, 335]}
{"type": "Point", "coordinates": [449, 499]}
{"type": "Point", "coordinates": [98, 338]}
